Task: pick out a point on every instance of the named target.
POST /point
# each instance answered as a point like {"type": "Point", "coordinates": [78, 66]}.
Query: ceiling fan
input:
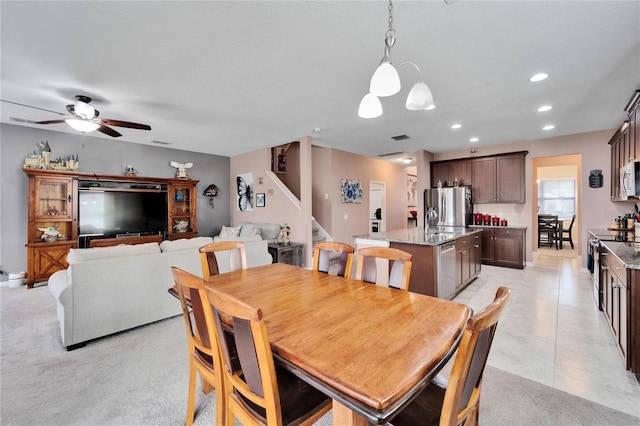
{"type": "Point", "coordinates": [83, 117]}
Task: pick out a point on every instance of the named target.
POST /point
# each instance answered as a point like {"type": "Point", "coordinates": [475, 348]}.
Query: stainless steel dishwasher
{"type": "Point", "coordinates": [446, 276]}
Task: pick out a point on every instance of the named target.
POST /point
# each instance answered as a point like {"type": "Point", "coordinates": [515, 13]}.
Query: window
{"type": "Point", "coordinates": [557, 197]}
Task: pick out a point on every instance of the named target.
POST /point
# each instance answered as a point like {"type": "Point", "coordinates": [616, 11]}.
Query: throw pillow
{"type": "Point", "coordinates": [229, 232]}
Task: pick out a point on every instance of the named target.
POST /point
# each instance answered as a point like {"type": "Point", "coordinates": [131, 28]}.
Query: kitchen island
{"type": "Point", "coordinates": [445, 259]}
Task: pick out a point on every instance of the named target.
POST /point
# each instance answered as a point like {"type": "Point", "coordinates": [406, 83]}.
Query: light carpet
{"type": "Point", "coordinates": [139, 377]}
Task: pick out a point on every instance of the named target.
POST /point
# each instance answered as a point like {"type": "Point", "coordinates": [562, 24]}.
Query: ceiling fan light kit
{"type": "Point", "coordinates": [386, 82]}
{"type": "Point", "coordinates": [83, 126]}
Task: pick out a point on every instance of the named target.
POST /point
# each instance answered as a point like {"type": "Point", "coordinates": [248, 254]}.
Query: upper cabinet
{"type": "Point", "coordinates": [625, 144]}
{"type": "Point", "coordinates": [447, 171]}
{"type": "Point", "coordinates": [493, 179]}
{"type": "Point", "coordinates": [498, 179]}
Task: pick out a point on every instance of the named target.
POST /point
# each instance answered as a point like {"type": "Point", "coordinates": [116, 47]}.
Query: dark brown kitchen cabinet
{"type": "Point", "coordinates": [625, 144]}
{"type": "Point", "coordinates": [617, 281]}
{"type": "Point", "coordinates": [468, 259]}
{"type": "Point", "coordinates": [498, 179]}
{"type": "Point", "coordinates": [503, 247]}
{"type": "Point", "coordinates": [447, 171]}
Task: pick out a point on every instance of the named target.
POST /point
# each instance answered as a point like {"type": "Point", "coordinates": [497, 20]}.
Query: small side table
{"type": "Point", "coordinates": [292, 253]}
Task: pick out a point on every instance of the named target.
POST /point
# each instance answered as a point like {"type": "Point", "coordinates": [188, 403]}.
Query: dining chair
{"type": "Point", "coordinates": [256, 391]}
{"type": "Point", "coordinates": [399, 266]}
{"type": "Point", "coordinates": [458, 402]}
{"type": "Point", "coordinates": [565, 233]}
{"type": "Point", "coordinates": [324, 253]}
{"type": "Point", "coordinates": [204, 357]}
{"type": "Point", "coordinates": [212, 253]}
{"type": "Point", "coordinates": [548, 230]}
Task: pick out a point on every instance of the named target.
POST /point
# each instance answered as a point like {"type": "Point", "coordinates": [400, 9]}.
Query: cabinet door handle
{"type": "Point", "coordinates": [69, 198]}
{"type": "Point", "coordinates": [476, 245]}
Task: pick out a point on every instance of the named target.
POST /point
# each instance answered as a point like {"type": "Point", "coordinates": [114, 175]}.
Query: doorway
{"type": "Point", "coordinates": [551, 175]}
{"type": "Point", "coordinates": [377, 206]}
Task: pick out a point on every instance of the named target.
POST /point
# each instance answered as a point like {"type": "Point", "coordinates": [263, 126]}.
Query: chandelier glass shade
{"type": "Point", "coordinates": [370, 106]}
{"type": "Point", "coordinates": [386, 82]}
{"type": "Point", "coordinates": [82, 125]}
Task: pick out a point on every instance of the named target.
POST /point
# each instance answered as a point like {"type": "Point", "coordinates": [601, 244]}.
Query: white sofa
{"type": "Point", "coordinates": [110, 289]}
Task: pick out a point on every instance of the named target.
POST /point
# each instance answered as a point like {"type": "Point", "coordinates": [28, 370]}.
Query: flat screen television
{"type": "Point", "coordinates": [107, 214]}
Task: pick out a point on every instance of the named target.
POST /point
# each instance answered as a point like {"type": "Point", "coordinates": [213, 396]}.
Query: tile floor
{"type": "Point", "coordinates": [551, 331]}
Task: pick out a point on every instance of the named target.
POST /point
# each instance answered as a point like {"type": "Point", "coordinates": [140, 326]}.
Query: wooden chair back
{"type": "Point", "coordinates": [252, 393]}
{"type": "Point", "coordinates": [209, 261]}
{"type": "Point", "coordinates": [204, 357]}
{"type": "Point", "coordinates": [461, 399]}
{"type": "Point", "coordinates": [399, 266]}
{"type": "Point", "coordinates": [322, 257]}
{"type": "Point", "coordinates": [459, 403]}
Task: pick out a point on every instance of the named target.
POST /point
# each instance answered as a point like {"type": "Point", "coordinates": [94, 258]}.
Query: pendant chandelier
{"type": "Point", "coordinates": [386, 82]}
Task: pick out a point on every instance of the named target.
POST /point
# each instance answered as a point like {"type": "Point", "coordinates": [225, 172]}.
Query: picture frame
{"type": "Point", "coordinates": [412, 190]}
{"type": "Point", "coordinates": [260, 199]}
{"type": "Point", "coordinates": [244, 191]}
{"type": "Point", "coordinates": [351, 191]}
{"type": "Point", "coordinates": [279, 160]}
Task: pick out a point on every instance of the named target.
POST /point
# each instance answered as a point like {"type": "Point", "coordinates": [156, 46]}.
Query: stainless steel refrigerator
{"type": "Point", "coordinates": [453, 205]}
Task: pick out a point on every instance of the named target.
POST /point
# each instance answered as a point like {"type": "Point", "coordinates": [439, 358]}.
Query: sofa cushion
{"type": "Point", "coordinates": [243, 239]}
{"type": "Point", "coordinates": [122, 250]}
{"type": "Point", "coordinates": [249, 230]}
{"type": "Point", "coordinates": [185, 243]}
{"type": "Point", "coordinates": [229, 232]}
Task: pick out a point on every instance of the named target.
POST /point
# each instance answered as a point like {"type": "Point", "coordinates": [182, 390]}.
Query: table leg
{"type": "Point", "coordinates": [344, 416]}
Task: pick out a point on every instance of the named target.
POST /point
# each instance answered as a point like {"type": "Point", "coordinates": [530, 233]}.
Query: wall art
{"type": "Point", "coordinates": [412, 190]}
{"type": "Point", "coordinates": [260, 199]}
{"type": "Point", "coordinates": [351, 191]}
{"type": "Point", "coordinates": [244, 187]}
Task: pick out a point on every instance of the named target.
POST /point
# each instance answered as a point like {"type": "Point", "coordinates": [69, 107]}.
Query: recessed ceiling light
{"type": "Point", "coordinates": [474, 139]}
{"type": "Point", "coordinates": [549, 127]}
{"type": "Point", "coordinates": [430, 107]}
{"type": "Point", "coordinates": [544, 108]}
{"type": "Point", "coordinates": [406, 160]}
{"type": "Point", "coordinates": [456, 126]}
{"type": "Point", "coordinates": [539, 77]}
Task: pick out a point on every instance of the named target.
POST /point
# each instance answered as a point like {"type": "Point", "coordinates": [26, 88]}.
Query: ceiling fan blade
{"type": "Point", "coordinates": [22, 120]}
{"type": "Point", "coordinates": [128, 124]}
{"type": "Point", "coordinates": [50, 122]}
{"type": "Point", "coordinates": [108, 131]}
{"type": "Point", "coordinates": [34, 107]}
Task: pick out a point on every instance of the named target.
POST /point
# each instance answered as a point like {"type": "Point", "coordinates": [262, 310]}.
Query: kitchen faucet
{"type": "Point", "coordinates": [430, 219]}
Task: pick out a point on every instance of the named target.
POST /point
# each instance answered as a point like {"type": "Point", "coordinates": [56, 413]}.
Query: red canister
{"type": "Point", "coordinates": [477, 218]}
{"type": "Point", "coordinates": [496, 221]}
{"type": "Point", "coordinates": [503, 222]}
{"type": "Point", "coordinates": [486, 219]}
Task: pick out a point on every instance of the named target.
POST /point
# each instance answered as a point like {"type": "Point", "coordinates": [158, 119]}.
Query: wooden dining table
{"type": "Point", "coordinates": [371, 348]}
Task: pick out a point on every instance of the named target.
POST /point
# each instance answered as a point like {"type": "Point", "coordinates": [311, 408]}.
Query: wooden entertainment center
{"type": "Point", "coordinates": [53, 202]}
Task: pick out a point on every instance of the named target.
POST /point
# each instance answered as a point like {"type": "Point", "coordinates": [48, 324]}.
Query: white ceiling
{"type": "Point", "coordinates": [230, 77]}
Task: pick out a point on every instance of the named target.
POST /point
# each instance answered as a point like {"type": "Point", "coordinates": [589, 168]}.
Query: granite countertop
{"type": "Point", "coordinates": [418, 236]}
{"type": "Point", "coordinates": [499, 227]}
{"type": "Point", "coordinates": [625, 251]}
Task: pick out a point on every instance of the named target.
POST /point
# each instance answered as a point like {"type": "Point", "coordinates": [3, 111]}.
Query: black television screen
{"type": "Point", "coordinates": [110, 213]}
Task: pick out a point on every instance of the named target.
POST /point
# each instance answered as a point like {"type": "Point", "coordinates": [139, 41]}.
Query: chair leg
{"type": "Point", "coordinates": [191, 403]}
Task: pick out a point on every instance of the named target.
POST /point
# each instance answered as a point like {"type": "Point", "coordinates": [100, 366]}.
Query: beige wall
{"type": "Point", "coordinates": [344, 220]}
{"type": "Point", "coordinates": [596, 208]}
{"type": "Point", "coordinates": [279, 207]}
